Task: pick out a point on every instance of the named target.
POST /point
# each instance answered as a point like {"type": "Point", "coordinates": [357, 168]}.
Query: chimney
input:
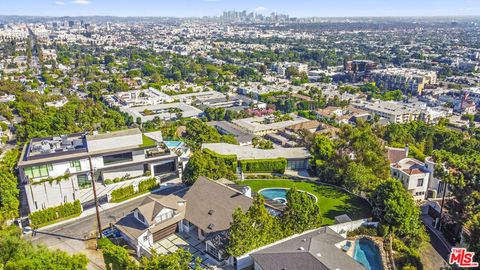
{"type": "Point", "coordinates": [407, 147]}
{"type": "Point", "coordinates": [247, 191]}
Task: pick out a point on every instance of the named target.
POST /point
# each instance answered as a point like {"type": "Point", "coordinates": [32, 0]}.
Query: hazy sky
{"type": "Point", "coordinates": [182, 8]}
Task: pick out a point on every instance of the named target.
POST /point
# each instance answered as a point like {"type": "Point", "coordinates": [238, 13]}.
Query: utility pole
{"type": "Point", "coordinates": [445, 189]}
{"type": "Point", "coordinates": [92, 174]}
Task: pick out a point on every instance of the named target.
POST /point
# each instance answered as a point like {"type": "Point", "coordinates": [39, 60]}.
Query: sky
{"type": "Point", "coordinates": [198, 8]}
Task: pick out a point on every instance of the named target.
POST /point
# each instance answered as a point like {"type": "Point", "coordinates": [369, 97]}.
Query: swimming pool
{"type": "Point", "coordinates": [279, 194]}
{"type": "Point", "coordinates": [172, 144]}
{"type": "Point", "coordinates": [367, 254]}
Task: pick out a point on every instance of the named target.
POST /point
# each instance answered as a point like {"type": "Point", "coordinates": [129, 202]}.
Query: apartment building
{"type": "Point", "coordinates": [56, 170]}
{"type": "Point", "coordinates": [408, 80]}
{"type": "Point", "coordinates": [392, 111]}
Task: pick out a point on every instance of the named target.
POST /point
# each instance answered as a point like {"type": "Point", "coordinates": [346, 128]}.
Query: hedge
{"type": "Point", "coordinates": [54, 214]}
{"type": "Point", "coordinates": [128, 192]}
{"type": "Point", "coordinates": [122, 193]}
{"type": "Point", "coordinates": [277, 165]}
{"type": "Point", "coordinates": [148, 185]}
{"type": "Point", "coordinates": [230, 160]}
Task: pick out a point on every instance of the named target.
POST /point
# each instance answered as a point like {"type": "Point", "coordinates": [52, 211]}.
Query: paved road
{"type": "Point", "coordinates": [440, 245]}
{"type": "Point", "coordinates": [78, 236]}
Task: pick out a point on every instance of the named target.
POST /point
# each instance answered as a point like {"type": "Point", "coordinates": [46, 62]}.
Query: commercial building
{"type": "Point", "coordinates": [165, 111]}
{"type": "Point", "coordinates": [411, 81]}
{"type": "Point", "coordinates": [150, 96]}
{"type": "Point", "coordinates": [357, 70]}
{"type": "Point", "coordinates": [56, 170]}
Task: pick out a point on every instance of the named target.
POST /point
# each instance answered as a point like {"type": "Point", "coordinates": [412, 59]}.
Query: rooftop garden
{"type": "Point", "coordinates": [147, 142]}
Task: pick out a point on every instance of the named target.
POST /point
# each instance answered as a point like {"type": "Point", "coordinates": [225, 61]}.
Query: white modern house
{"type": "Point", "coordinates": [414, 175]}
{"type": "Point", "coordinates": [56, 170]}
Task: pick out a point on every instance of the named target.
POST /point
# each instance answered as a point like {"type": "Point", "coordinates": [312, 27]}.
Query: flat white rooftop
{"type": "Point", "coordinates": [249, 152]}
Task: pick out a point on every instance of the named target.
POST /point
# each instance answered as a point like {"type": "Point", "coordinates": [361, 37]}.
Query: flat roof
{"type": "Point", "coordinates": [114, 134]}
{"type": "Point", "coordinates": [249, 152]}
{"type": "Point", "coordinates": [232, 129]}
{"type": "Point", "coordinates": [39, 148]}
{"type": "Point", "coordinates": [255, 124]}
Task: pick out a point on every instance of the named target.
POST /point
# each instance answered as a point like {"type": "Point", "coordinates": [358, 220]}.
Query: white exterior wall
{"type": "Point", "coordinates": [45, 195]}
{"type": "Point", "coordinates": [410, 182]}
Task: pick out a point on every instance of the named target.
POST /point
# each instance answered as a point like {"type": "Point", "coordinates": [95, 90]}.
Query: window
{"type": "Point", "coordinates": [145, 238]}
{"type": "Point", "coordinates": [76, 164]}
{"type": "Point", "coordinates": [165, 216]}
{"type": "Point", "coordinates": [38, 171]}
{"type": "Point", "coordinates": [212, 250]}
{"type": "Point", "coordinates": [83, 181]}
{"type": "Point", "coordinates": [117, 158]}
{"type": "Point", "coordinates": [420, 182]}
{"type": "Point", "coordinates": [140, 217]}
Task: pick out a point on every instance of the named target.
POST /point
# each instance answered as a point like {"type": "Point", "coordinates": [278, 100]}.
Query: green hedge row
{"type": "Point", "coordinates": [128, 192]}
{"type": "Point", "coordinates": [57, 213]}
{"type": "Point", "coordinates": [277, 165]}
{"type": "Point", "coordinates": [230, 160]}
{"type": "Point", "coordinates": [122, 193]}
{"type": "Point", "coordinates": [148, 185]}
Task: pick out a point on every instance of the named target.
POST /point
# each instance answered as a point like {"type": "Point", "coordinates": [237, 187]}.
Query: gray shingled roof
{"type": "Point", "coordinates": [311, 250]}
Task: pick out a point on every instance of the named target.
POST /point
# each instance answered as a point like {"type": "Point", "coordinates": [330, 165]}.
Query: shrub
{"type": "Point", "coordinates": [115, 257]}
{"type": "Point", "coordinates": [363, 230]}
{"type": "Point", "coordinates": [122, 193]}
{"type": "Point", "coordinates": [148, 185]}
{"type": "Point", "coordinates": [264, 165]}
{"type": "Point", "coordinates": [52, 214]}
{"type": "Point", "coordinates": [230, 160]}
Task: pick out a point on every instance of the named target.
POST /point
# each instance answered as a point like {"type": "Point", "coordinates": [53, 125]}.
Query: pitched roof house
{"type": "Point", "coordinates": [313, 250]}
{"type": "Point", "coordinates": [156, 218]}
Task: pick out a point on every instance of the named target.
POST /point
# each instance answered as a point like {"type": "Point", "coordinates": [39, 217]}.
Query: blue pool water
{"type": "Point", "coordinates": [367, 254]}
{"type": "Point", "coordinates": [172, 144]}
{"type": "Point", "coordinates": [278, 194]}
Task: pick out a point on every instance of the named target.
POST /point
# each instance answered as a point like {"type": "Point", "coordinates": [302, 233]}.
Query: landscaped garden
{"type": "Point", "coordinates": [332, 201]}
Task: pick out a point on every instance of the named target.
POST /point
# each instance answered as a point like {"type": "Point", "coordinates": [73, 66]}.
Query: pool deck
{"type": "Point", "coordinates": [351, 251]}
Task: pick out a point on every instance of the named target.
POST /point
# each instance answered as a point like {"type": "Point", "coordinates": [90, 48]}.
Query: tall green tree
{"type": "Point", "coordinates": [395, 207]}
{"type": "Point", "coordinates": [16, 253]}
{"type": "Point", "coordinates": [302, 213]}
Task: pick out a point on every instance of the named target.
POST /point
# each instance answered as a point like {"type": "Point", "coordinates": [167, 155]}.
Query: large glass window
{"type": "Point", "coordinates": [83, 181]}
{"type": "Point", "coordinates": [38, 171]}
{"type": "Point", "coordinates": [76, 164]}
{"type": "Point", "coordinates": [117, 158]}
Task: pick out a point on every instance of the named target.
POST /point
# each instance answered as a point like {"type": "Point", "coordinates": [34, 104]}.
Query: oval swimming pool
{"type": "Point", "coordinates": [279, 194]}
{"type": "Point", "coordinates": [367, 254]}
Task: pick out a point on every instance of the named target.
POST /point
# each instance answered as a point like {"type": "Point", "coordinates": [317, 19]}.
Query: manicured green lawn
{"type": "Point", "coordinates": [332, 201]}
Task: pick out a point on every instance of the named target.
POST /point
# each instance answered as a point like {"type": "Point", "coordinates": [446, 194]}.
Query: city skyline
{"type": "Point", "coordinates": [199, 8]}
